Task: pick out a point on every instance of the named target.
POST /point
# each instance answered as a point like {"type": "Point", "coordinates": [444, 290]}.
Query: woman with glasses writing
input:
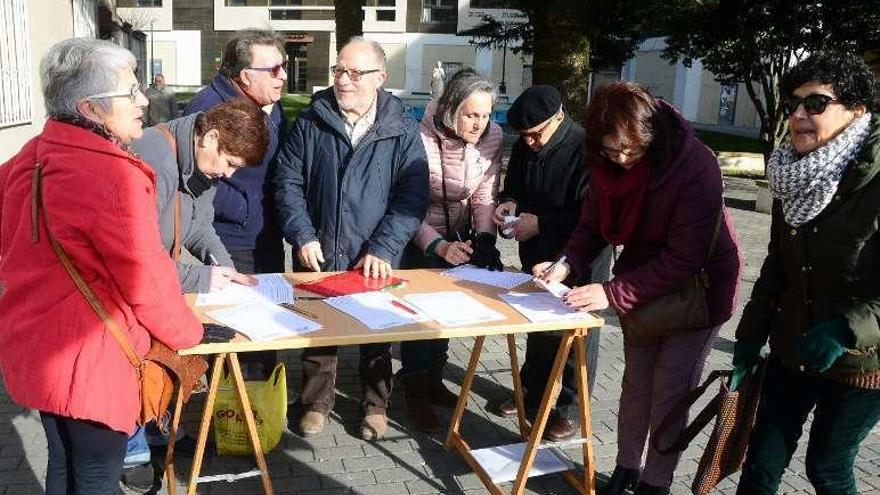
{"type": "Point", "coordinates": [77, 184]}
{"type": "Point", "coordinates": [464, 150]}
{"type": "Point", "coordinates": [817, 299]}
{"type": "Point", "coordinates": [656, 190]}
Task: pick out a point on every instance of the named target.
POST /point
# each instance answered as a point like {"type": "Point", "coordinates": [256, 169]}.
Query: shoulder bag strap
{"type": "Point", "coordinates": [714, 238]}
{"type": "Point", "coordinates": [166, 132]}
{"type": "Point", "coordinates": [680, 410]}
{"type": "Point", "coordinates": [38, 211]}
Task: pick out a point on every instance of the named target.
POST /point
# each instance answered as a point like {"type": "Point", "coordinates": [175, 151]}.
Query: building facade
{"type": "Point", "coordinates": [187, 38]}
{"type": "Point", "coordinates": [30, 29]}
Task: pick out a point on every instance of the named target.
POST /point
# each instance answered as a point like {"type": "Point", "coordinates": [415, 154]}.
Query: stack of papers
{"type": "Point", "coordinates": [376, 310]}
{"type": "Point", "coordinates": [502, 463]}
{"type": "Point", "coordinates": [262, 320]}
{"type": "Point", "coordinates": [453, 309]}
{"type": "Point", "coordinates": [504, 280]}
{"type": "Point", "coordinates": [558, 289]}
{"type": "Point", "coordinates": [540, 307]}
{"type": "Point", "coordinates": [271, 287]}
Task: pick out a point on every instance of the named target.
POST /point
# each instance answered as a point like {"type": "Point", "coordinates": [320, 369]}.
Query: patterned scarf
{"type": "Point", "coordinates": [806, 184]}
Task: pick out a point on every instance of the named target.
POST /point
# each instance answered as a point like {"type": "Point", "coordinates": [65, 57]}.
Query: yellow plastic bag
{"type": "Point", "coordinates": [269, 404]}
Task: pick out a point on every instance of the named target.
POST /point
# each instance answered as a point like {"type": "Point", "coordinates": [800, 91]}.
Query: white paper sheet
{"type": "Point", "coordinates": [452, 308]}
{"type": "Point", "coordinates": [262, 320]}
{"type": "Point", "coordinates": [540, 307]}
{"type": "Point", "coordinates": [502, 462]}
{"type": "Point", "coordinates": [272, 287]}
{"type": "Point", "coordinates": [558, 289]}
{"type": "Point", "coordinates": [376, 310]}
{"type": "Point", "coordinates": [504, 280]}
{"type": "Point", "coordinates": [509, 224]}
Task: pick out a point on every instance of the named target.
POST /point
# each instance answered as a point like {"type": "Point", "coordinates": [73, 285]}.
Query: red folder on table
{"type": "Point", "coordinates": [345, 283]}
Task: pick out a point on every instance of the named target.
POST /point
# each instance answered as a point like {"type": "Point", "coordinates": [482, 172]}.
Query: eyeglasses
{"type": "Point", "coordinates": [130, 93]}
{"type": "Point", "coordinates": [353, 74]}
{"type": "Point", "coordinates": [537, 134]}
{"type": "Point", "coordinates": [814, 104]}
{"type": "Point", "coordinates": [607, 152]}
{"type": "Point", "coordinates": [275, 70]}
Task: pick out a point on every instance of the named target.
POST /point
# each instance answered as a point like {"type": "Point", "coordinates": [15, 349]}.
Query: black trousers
{"type": "Point", "coordinates": [253, 261]}
{"type": "Point", "coordinates": [84, 457]}
{"type": "Point", "coordinates": [319, 377]}
{"type": "Point", "coordinates": [541, 348]}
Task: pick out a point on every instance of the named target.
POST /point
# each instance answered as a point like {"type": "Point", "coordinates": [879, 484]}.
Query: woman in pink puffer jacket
{"type": "Point", "coordinates": [464, 159]}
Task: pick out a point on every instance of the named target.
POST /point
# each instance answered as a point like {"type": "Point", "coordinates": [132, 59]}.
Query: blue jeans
{"type": "Point", "coordinates": [842, 418]}
{"type": "Point", "coordinates": [137, 451]}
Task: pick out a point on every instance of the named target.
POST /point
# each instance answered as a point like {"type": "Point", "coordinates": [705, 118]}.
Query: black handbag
{"type": "Point", "coordinates": [684, 308]}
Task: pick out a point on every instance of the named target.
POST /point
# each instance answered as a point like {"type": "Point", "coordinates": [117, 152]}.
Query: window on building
{"type": "Point", "coordinates": [297, 70]}
{"type": "Point", "coordinates": [236, 3]}
{"type": "Point", "coordinates": [727, 104]}
{"type": "Point", "coordinates": [489, 4]}
{"type": "Point", "coordinates": [439, 11]}
{"type": "Point", "coordinates": [286, 2]}
{"type": "Point", "coordinates": [386, 15]}
{"type": "Point", "coordinates": [149, 3]}
{"type": "Point", "coordinates": [286, 14]}
{"type": "Point", "coordinates": [16, 105]}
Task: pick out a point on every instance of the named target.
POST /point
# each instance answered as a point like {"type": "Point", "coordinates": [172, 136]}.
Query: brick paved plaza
{"type": "Point", "coordinates": [337, 462]}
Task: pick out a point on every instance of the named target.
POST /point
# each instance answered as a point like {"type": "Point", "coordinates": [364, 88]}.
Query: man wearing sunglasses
{"type": "Point", "coordinates": [352, 189]}
{"type": "Point", "coordinates": [244, 214]}
{"type": "Point", "coordinates": [545, 184]}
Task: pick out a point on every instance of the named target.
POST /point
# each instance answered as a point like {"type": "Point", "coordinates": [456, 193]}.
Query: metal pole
{"type": "Point", "coordinates": [502, 87]}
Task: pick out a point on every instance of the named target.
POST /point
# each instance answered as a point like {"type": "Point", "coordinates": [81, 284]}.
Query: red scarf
{"type": "Point", "coordinates": [621, 194]}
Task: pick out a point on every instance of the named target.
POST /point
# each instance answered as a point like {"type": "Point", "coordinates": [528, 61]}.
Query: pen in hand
{"type": "Point", "coordinates": [212, 260]}
{"type": "Point", "coordinates": [547, 271]}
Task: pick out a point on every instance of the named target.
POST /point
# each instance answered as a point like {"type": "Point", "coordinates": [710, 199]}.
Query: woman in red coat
{"type": "Point", "coordinates": [99, 203]}
{"type": "Point", "coordinates": [656, 190]}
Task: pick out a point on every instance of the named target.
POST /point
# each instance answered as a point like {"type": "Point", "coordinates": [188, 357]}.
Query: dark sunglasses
{"type": "Point", "coordinates": [814, 104]}
{"type": "Point", "coordinates": [275, 70]}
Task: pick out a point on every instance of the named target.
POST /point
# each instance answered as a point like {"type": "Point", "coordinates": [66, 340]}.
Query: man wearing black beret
{"type": "Point", "coordinates": [545, 184]}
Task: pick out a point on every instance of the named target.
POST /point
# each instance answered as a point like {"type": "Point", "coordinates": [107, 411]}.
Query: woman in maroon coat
{"type": "Point", "coordinates": [656, 190]}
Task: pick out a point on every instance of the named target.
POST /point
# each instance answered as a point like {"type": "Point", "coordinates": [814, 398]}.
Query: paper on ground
{"type": "Point", "coordinates": [539, 307]}
{"type": "Point", "coordinates": [262, 320]}
{"type": "Point", "coordinates": [375, 309]}
{"type": "Point", "coordinates": [452, 308]}
{"type": "Point", "coordinates": [558, 289]}
{"type": "Point", "coordinates": [272, 287]}
{"type": "Point", "coordinates": [502, 462]}
{"type": "Point", "coordinates": [504, 280]}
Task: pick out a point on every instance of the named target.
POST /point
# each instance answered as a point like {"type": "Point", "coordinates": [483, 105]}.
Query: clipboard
{"type": "Point", "coordinates": [346, 283]}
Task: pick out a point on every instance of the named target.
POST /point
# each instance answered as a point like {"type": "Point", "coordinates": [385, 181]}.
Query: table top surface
{"type": "Point", "coordinates": [341, 329]}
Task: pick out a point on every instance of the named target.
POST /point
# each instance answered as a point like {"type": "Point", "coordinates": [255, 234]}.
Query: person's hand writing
{"type": "Point", "coordinates": [220, 278]}
{"type": "Point", "coordinates": [455, 253]}
{"type": "Point", "coordinates": [526, 227]}
{"type": "Point", "coordinates": [243, 279]}
{"type": "Point", "coordinates": [589, 297]}
{"type": "Point", "coordinates": [558, 273]}
{"type": "Point", "coordinates": [374, 266]}
{"type": "Point", "coordinates": [504, 209]}
{"type": "Point", "coordinates": [310, 256]}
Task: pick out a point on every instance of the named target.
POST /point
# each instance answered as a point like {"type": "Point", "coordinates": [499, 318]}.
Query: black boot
{"type": "Point", "coordinates": [646, 489]}
{"type": "Point", "coordinates": [621, 480]}
{"type": "Point", "coordinates": [418, 403]}
{"type": "Point", "coordinates": [440, 395]}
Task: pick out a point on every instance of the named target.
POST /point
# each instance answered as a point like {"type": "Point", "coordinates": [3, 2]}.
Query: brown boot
{"type": "Point", "coordinates": [374, 426]}
{"type": "Point", "coordinates": [418, 403]}
{"type": "Point", "coordinates": [439, 394]}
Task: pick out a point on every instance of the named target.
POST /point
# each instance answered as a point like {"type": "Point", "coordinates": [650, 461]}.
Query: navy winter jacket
{"type": "Point", "coordinates": [354, 201]}
{"type": "Point", "coordinates": [243, 204]}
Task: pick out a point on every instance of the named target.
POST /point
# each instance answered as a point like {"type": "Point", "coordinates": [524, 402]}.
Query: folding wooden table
{"type": "Point", "coordinates": [341, 329]}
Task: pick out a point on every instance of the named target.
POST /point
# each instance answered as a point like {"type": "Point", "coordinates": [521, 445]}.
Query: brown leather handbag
{"type": "Point", "coordinates": [684, 308]}
{"type": "Point", "coordinates": [161, 364]}
{"type": "Point", "coordinates": [734, 413]}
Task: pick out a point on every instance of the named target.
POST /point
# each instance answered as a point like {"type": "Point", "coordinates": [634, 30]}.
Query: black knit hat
{"type": "Point", "coordinates": [534, 105]}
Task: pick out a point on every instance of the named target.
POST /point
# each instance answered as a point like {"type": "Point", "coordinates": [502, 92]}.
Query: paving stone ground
{"type": "Point", "coordinates": [408, 462]}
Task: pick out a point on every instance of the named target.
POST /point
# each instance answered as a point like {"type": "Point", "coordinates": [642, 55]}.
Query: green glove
{"type": "Point", "coordinates": [745, 355]}
{"type": "Point", "coordinates": [824, 343]}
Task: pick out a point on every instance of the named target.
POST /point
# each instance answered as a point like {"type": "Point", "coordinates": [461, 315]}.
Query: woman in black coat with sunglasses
{"type": "Point", "coordinates": [817, 299]}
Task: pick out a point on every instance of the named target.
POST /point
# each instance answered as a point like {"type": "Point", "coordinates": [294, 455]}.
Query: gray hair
{"type": "Point", "coordinates": [375, 47]}
{"type": "Point", "coordinates": [237, 55]}
{"type": "Point", "coordinates": [460, 87]}
{"type": "Point", "coordinates": [78, 67]}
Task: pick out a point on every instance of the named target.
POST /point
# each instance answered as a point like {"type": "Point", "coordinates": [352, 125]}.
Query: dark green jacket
{"type": "Point", "coordinates": [826, 268]}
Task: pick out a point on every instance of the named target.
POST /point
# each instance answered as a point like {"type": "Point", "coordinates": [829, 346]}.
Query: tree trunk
{"type": "Point", "coordinates": [349, 20]}
{"type": "Point", "coordinates": [561, 56]}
